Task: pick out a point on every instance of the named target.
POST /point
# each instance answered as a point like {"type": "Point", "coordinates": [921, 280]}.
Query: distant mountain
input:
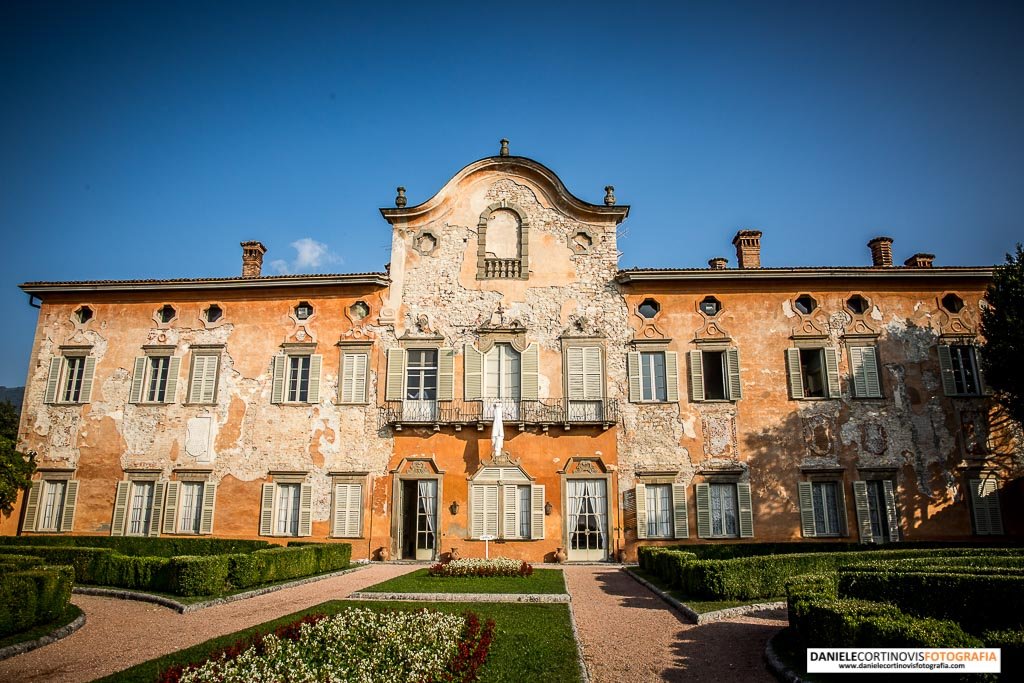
{"type": "Point", "coordinates": [12, 394]}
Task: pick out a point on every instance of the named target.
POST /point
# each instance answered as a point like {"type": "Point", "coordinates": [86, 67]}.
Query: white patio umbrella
{"type": "Point", "coordinates": [497, 431]}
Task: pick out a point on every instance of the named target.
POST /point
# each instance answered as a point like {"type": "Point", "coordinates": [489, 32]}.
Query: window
{"type": "Point", "coordinates": [502, 242]}
{"type": "Point", "coordinates": [876, 511]}
{"type": "Point", "coordinates": [504, 504]}
{"type": "Point", "coordinates": [141, 510]}
{"type": "Point", "coordinates": [822, 508]}
{"type": "Point", "coordinates": [83, 315]}
{"type": "Point", "coordinates": [864, 370]}
{"type": "Point", "coordinates": [813, 372]}
{"type": "Point", "coordinates": [952, 303]}
{"type": "Point", "coordinates": [421, 375]}
{"type": "Point", "coordinates": [191, 507]}
{"type": "Point", "coordinates": [961, 373]}
{"type": "Point", "coordinates": [213, 313]}
{"type": "Point", "coordinates": [858, 304]}
{"type": "Point", "coordinates": [166, 314]}
{"type": "Point", "coordinates": [419, 378]}
{"type": "Point", "coordinates": [985, 510]}
{"type": "Point", "coordinates": [725, 510]}
{"type": "Point", "coordinates": [138, 508]}
{"type": "Point", "coordinates": [359, 310]}
{"type": "Point", "coordinates": [661, 511]}
{"type": "Point", "coordinates": [296, 378]}
{"type": "Point", "coordinates": [653, 376]}
{"type": "Point", "coordinates": [502, 373]}
{"type": "Point", "coordinates": [286, 509]}
{"type": "Point", "coordinates": [203, 378]}
{"type": "Point", "coordinates": [303, 310]}
{"type": "Point", "coordinates": [50, 505]}
{"type": "Point", "coordinates": [715, 375]}
{"type": "Point", "coordinates": [155, 379]}
{"type": "Point", "coordinates": [70, 378]}
{"type": "Point", "coordinates": [710, 306]}
{"type": "Point", "coordinates": [649, 308]}
{"type": "Point", "coordinates": [354, 364]}
{"type": "Point", "coordinates": [584, 382]}
{"type": "Point", "coordinates": [348, 510]}
{"type": "Point", "coordinates": [805, 304]}
{"type": "Point", "coordinates": [188, 508]}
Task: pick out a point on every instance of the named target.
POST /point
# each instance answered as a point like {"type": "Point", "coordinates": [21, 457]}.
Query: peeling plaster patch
{"type": "Point", "coordinates": [787, 309]}
{"type": "Point", "coordinates": [688, 430]}
{"type": "Point", "coordinates": [876, 314]}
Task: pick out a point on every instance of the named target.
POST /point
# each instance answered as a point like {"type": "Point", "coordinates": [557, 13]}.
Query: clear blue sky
{"type": "Point", "coordinates": [147, 139]}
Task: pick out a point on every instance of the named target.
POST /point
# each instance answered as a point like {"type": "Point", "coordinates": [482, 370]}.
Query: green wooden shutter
{"type": "Point", "coordinates": [871, 372]}
{"type": "Point", "coordinates": [860, 499]}
{"type": "Point", "coordinates": [529, 382]}
{"type": "Point", "coordinates": [53, 379]}
{"type": "Point", "coordinates": [795, 372]}
{"type": "Point", "coordinates": [806, 495]}
{"type": "Point", "coordinates": [277, 388]}
{"type": "Point", "coordinates": [316, 362]}
{"type": "Point", "coordinates": [890, 510]}
{"type": "Point", "coordinates": [348, 500]}
{"type": "Point", "coordinates": [857, 371]}
{"type": "Point", "coordinates": [67, 518]}
{"type": "Point", "coordinates": [593, 382]}
{"type": "Point", "coordinates": [209, 501]}
{"type": "Point", "coordinates": [395, 388]}
{"type": "Point", "coordinates": [445, 374]}
{"type": "Point", "coordinates": [361, 362]}
{"type": "Point", "coordinates": [210, 373]}
{"type": "Point", "coordinates": [671, 376]}
{"type": "Point", "coordinates": [156, 514]}
{"type": "Point", "coordinates": [537, 511]}
{"type": "Point", "coordinates": [32, 506]}
{"type": "Point", "coordinates": [703, 510]}
{"type": "Point", "coordinates": [138, 379]}
{"type": "Point", "coordinates": [346, 387]}
{"type": "Point", "coordinates": [844, 519]}
{"type": "Point", "coordinates": [732, 371]}
{"type": "Point", "coordinates": [120, 508]}
{"type": "Point", "coordinates": [746, 510]}
{"type": "Point", "coordinates": [680, 515]}
{"type": "Point", "coordinates": [641, 511]}
{"type": "Point", "coordinates": [511, 525]}
{"type": "Point", "coordinates": [171, 507]}
{"type": "Point", "coordinates": [696, 376]}
{"type": "Point", "coordinates": [473, 373]}
{"type": "Point", "coordinates": [195, 381]}
{"type": "Point", "coordinates": [354, 526]}
{"type": "Point", "coordinates": [476, 511]}
{"type": "Point", "coordinates": [305, 510]}
{"type": "Point", "coordinates": [633, 370]}
{"type": "Point", "coordinates": [491, 508]}
{"type": "Point", "coordinates": [173, 370]}
{"type": "Point", "coordinates": [575, 390]}
{"type": "Point", "coordinates": [832, 371]}
{"type": "Point", "coordinates": [87, 376]}
{"type": "Point", "coordinates": [990, 496]}
{"type": "Point", "coordinates": [946, 370]}
{"type": "Point", "coordinates": [340, 516]}
{"type": "Point", "coordinates": [267, 510]}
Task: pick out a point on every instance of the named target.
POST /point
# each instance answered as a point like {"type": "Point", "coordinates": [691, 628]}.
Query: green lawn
{"type": "Point", "coordinates": [70, 614]}
{"type": "Point", "coordinates": [699, 606]}
{"type": "Point", "coordinates": [546, 581]}
{"type": "Point", "coordinates": [532, 642]}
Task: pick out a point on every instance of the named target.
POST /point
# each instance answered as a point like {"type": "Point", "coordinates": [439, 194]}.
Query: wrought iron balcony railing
{"type": "Point", "coordinates": [543, 413]}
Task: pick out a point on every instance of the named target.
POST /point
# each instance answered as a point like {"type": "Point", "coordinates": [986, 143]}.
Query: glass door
{"type": "Point", "coordinates": [502, 367]}
{"type": "Point", "coordinates": [587, 519]}
{"type": "Point", "coordinates": [421, 386]}
{"type": "Point", "coordinates": [426, 518]}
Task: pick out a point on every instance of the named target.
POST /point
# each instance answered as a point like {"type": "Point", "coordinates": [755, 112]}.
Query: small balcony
{"type": "Point", "coordinates": [543, 414]}
{"type": "Point", "coordinates": [503, 268]}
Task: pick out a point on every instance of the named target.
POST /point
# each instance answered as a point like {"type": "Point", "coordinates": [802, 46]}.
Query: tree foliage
{"type": "Point", "coordinates": [1002, 323]}
{"type": "Point", "coordinates": [15, 474]}
{"type": "Point", "coordinates": [8, 420]}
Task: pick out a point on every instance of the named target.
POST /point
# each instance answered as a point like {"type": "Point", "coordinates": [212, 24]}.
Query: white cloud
{"type": "Point", "coordinates": [310, 255]}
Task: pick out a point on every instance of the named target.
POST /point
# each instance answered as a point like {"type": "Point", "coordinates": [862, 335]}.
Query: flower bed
{"type": "Point", "coordinates": [475, 566]}
{"type": "Point", "coordinates": [355, 645]}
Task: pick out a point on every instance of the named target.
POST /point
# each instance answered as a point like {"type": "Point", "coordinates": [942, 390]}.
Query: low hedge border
{"type": "Point", "coordinates": [700, 618]}
{"type": "Point", "coordinates": [728, 551]}
{"type": "Point", "coordinates": [51, 637]}
{"type": "Point", "coordinates": [163, 546]}
{"type": "Point", "coordinates": [32, 596]}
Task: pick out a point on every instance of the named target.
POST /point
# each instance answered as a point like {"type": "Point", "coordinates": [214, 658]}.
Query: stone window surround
{"type": "Point", "coordinates": [219, 321]}
{"type": "Point", "coordinates": [420, 234]}
{"type": "Point", "coordinates": [576, 247]}
{"type": "Point", "coordinates": [362, 346]}
{"type": "Point", "coordinates": [204, 350]}
{"type": "Point", "coordinates": [365, 481]}
{"type": "Point", "coordinates": [74, 315]}
{"type": "Point", "coordinates": [524, 239]}
{"type": "Point", "coordinates": [584, 341]}
{"type": "Point", "coordinates": [159, 321]}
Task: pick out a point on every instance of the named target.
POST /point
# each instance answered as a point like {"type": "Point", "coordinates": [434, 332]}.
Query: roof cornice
{"type": "Point", "coordinates": [670, 274]}
{"type": "Point", "coordinates": [367, 279]}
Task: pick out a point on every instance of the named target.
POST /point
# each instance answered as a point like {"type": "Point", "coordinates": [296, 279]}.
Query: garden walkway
{"type": "Point", "coordinates": [121, 633]}
{"type": "Point", "coordinates": [630, 635]}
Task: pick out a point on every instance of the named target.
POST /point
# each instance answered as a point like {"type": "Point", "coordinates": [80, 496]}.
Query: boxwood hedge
{"type": "Point", "coordinates": [32, 596]}
{"type": "Point", "coordinates": [163, 546]}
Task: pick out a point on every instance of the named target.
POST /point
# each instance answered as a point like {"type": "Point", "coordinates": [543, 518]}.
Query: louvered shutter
{"type": "Point", "coordinates": [537, 511]}
{"type": "Point", "coordinates": [340, 525]}
{"type": "Point", "coordinates": [671, 376]}
{"type": "Point", "coordinates": [138, 379]}
{"type": "Point", "coordinates": [871, 372]}
{"type": "Point", "coordinates": [277, 389]}
{"type": "Point", "coordinates": [633, 369]}
{"type": "Point", "coordinates": [267, 510]}
{"type": "Point", "coordinates": [67, 518]}
{"type": "Point", "coordinates": [696, 376]}
{"type": "Point", "coordinates": [575, 386]}
{"type": "Point", "coordinates": [156, 514]}
{"type": "Point", "coordinates": [359, 377]}
{"type": "Point", "coordinates": [511, 517]}
{"type": "Point", "coordinates": [348, 500]}
{"type": "Point", "coordinates": [806, 495]}
{"type": "Point", "coordinates": [395, 387]}
{"type": "Point", "coordinates": [732, 372]}
{"type": "Point", "coordinates": [476, 511]}
{"type": "Point", "coordinates": [988, 490]}
{"type": "Point", "coordinates": [746, 507]}
{"type": "Point", "coordinates": [347, 384]}
{"type": "Point", "coordinates": [844, 519]}
{"type": "Point", "coordinates": [120, 508]}
{"type": "Point", "coordinates": [795, 372]}
{"type": "Point", "coordinates": [860, 499]}
{"type": "Point", "coordinates": [210, 373]}
{"type": "Point", "coordinates": [203, 379]}
{"type": "Point", "coordinates": [641, 511]}
{"type": "Point", "coordinates": [445, 374]}
{"type": "Point", "coordinates": [32, 506]}
{"type": "Point", "coordinates": [680, 515]}
{"type": "Point", "coordinates": [305, 510]}
{"type": "Point", "coordinates": [87, 376]}
{"type": "Point", "coordinates": [53, 379]}
{"type": "Point", "coordinates": [209, 501]}
{"type": "Point", "coordinates": [171, 499]}
{"type": "Point", "coordinates": [703, 510]}
{"type": "Point", "coordinates": [890, 510]}
{"type": "Point", "coordinates": [593, 383]}
{"type": "Point", "coordinates": [832, 372]}
{"type": "Point", "coordinates": [473, 373]}
{"type": "Point", "coordinates": [983, 387]}
{"type": "Point", "coordinates": [316, 362]}
{"type": "Point", "coordinates": [173, 369]}
{"type": "Point", "coordinates": [491, 506]}
{"type": "Point", "coordinates": [530, 373]}
{"type": "Point", "coordinates": [946, 370]}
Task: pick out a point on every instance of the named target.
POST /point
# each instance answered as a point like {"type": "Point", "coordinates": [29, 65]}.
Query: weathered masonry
{"type": "Point", "coordinates": [690, 405]}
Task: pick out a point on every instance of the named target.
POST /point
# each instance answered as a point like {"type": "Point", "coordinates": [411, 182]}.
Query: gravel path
{"type": "Point", "coordinates": [629, 635]}
{"type": "Point", "coordinates": [121, 633]}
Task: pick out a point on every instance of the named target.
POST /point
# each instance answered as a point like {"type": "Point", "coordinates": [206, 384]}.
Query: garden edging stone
{"type": "Point", "coordinates": [52, 637]}
{"type": "Point", "coordinates": [778, 667]}
{"type": "Point", "coordinates": [705, 617]}
{"type": "Point", "coordinates": [463, 597]}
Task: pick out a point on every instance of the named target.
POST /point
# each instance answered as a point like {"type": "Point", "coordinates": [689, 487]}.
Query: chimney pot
{"type": "Point", "coordinates": [748, 248]}
{"type": "Point", "coordinates": [881, 252]}
{"type": "Point", "coordinates": [920, 260]}
{"type": "Point", "coordinates": [252, 258]}
{"type": "Point", "coordinates": [718, 263]}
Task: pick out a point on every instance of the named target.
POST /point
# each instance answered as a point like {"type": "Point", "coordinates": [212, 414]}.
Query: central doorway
{"type": "Point", "coordinates": [419, 519]}
{"type": "Point", "coordinates": [587, 519]}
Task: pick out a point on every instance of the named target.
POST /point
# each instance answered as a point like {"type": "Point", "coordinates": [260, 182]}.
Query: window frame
{"type": "Point", "coordinates": [349, 373]}
{"type": "Point", "coordinates": [271, 501]}
{"type": "Point", "coordinates": [954, 371]}
{"type": "Point", "coordinates": [282, 390]}
{"type": "Point", "coordinates": [36, 502]}
{"type": "Point", "coordinates": [174, 509]}
{"type": "Point", "coordinates": [342, 484]}
{"type": "Point", "coordinates": [649, 376]}
{"type": "Point", "coordinates": [796, 372]}
{"type": "Point", "coordinates": [865, 371]}
{"type": "Point", "coordinates": [497, 493]}
{"type": "Point", "coordinates": [807, 501]}
{"type": "Point", "coordinates": [201, 372]}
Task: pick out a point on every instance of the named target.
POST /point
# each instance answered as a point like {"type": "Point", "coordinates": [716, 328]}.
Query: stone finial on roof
{"type": "Point", "coordinates": [400, 200]}
{"type": "Point", "coordinates": [609, 195]}
{"type": "Point", "coordinates": [881, 252]}
{"type": "Point", "coordinates": [252, 258]}
{"type": "Point", "coordinates": [504, 148]}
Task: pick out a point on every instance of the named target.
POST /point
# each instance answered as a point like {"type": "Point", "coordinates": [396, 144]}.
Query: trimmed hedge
{"type": "Point", "coordinates": [279, 564]}
{"type": "Point", "coordinates": [33, 596]}
{"type": "Point", "coordinates": [198, 574]}
{"type": "Point", "coordinates": [164, 546]}
{"type": "Point", "coordinates": [728, 551]}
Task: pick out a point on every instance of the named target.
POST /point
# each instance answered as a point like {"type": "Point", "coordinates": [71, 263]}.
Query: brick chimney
{"type": "Point", "coordinates": [748, 248]}
{"type": "Point", "coordinates": [719, 263]}
{"type": "Point", "coordinates": [920, 261]}
{"type": "Point", "coordinates": [881, 252]}
{"type": "Point", "coordinates": [252, 258]}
